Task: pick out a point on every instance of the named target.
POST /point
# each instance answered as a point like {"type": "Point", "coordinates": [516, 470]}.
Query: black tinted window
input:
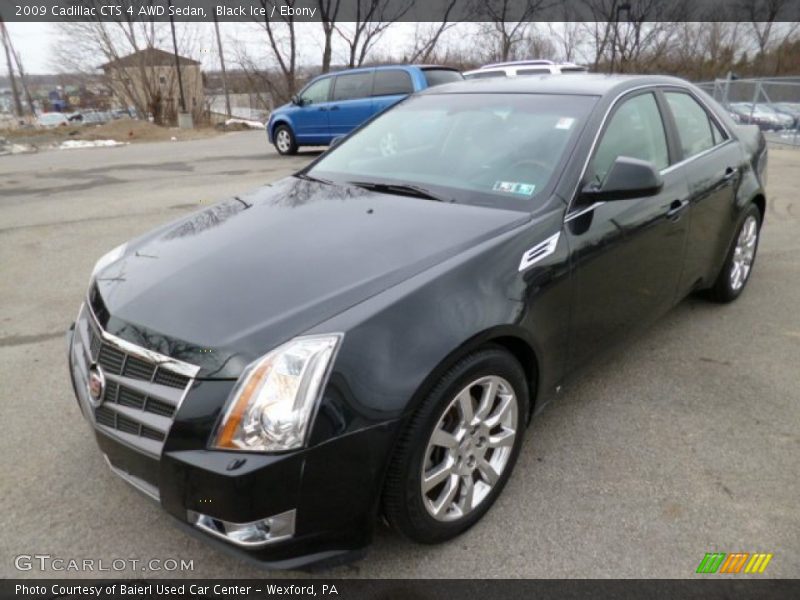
{"type": "Point", "coordinates": [635, 131]}
{"type": "Point", "coordinates": [691, 119]}
{"type": "Point", "coordinates": [440, 76]}
{"type": "Point", "coordinates": [353, 85]}
{"type": "Point", "coordinates": [316, 92]}
{"type": "Point", "coordinates": [392, 82]}
{"type": "Point", "coordinates": [486, 74]}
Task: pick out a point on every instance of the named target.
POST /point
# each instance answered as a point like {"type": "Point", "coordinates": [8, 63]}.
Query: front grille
{"type": "Point", "coordinates": [114, 420]}
{"type": "Point", "coordinates": [115, 361]}
{"type": "Point", "coordinates": [143, 389]}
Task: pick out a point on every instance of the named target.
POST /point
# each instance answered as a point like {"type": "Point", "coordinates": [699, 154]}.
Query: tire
{"type": "Point", "coordinates": [740, 260]}
{"type": "Point", "coordinates": [285, 142]}
{"type": "Point", "coordinates": [485, 456]}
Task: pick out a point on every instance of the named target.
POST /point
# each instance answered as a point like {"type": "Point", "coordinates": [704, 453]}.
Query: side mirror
{"type": "Point", "coordinates": [335, 141]}
{"type": "Point", "coordinates": [297, 100]}
{"type": "Point", "coordinates": [628, 178]}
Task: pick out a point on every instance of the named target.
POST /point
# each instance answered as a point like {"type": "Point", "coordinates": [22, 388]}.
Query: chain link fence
{"type": "Point", "coordinates": [771, 103]}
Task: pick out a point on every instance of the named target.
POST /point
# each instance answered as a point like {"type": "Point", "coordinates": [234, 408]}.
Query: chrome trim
{"type": "Point", "coordinates": [162, 360]}
{"type": "Point", "coordinates": [654, 86]}
{"type": "Point", "coordinates": [147, 489]}
{"type": "Point", "coordinates": [583, 211]}
{"type": "Point", "coordinates": [695, 156]}
{"type": "Point", "coordinates": [208, 524]}
{"type": "Point", "coordinates": [87, 328]}
{"type": "Point", "coordinates": [539, 252]}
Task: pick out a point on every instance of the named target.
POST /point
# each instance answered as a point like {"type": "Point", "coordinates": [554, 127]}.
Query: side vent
{"type": "Point", "coordinates": [539, 251]}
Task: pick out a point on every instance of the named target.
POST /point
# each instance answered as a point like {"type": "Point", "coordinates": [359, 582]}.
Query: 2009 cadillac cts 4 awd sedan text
{"type": "Point", "coordinates": [371, 336]}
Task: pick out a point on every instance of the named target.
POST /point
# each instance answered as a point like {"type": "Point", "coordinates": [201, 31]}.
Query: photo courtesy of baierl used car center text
{"type": "Point", "coordinates": [400, 299]}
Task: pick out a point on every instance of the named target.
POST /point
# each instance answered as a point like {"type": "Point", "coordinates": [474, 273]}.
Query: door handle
{"type": "Point", "coordinates": [334, 108]}
{"type": "Point", "coordinates": [730, 173]}
{"type": "Point", "coordinates": [322, 108]}
{"type": "Point", "coordinates": [676, 208]}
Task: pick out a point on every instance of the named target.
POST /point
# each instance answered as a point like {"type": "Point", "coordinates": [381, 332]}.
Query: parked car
{"type": "Point", "coordinates": [784, 120]}
{"type": "Point", "coordinates": [334, 104]}
{"type": "Point", "coordinates": [372, 335]}
{"type": "Point", "coordinates": [791, 109]}
{"type": "Point", "coordinates": [52, 119]}
{"type": "Point", "coordinates": [761, 115]}
{"type": "Point", "coordinates": [524, 67]}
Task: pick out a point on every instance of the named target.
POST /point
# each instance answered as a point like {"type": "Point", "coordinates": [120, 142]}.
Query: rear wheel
{"type": "Point", "coordinates": [740, 260]}
{"type": "Point", "coordinates": [284, 140]}
{"type": "Point", "coordinates": [459, 449]}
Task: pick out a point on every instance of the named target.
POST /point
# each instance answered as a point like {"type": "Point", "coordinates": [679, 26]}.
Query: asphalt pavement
{"type": "Point", "coordinates": [683, 442]}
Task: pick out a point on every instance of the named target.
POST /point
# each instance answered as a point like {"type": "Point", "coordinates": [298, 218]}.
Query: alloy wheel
{"type": "Point", "coordinates": [744, 253]}
{"type": "Point", "coordinates": [283, 141]}
{"type": "Point", "coordinates": [469, 448]}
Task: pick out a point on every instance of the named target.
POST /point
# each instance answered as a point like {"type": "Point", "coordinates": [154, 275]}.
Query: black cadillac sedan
{"type": "Point", "coordinates": [370, 337]}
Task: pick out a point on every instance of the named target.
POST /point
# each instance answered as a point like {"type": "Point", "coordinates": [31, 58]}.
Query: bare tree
{"type": "Point", "coordinates": [764, 17]}
{"type": "Point", "coordinates": [508, 24]}
{"type": "Point", "coordinates": [282, 42]}
{"type": "Point", "coordinates": [328, 12]}
{"type": "Point", "coordinates": [86, 46]}
{"type": "Point", "coordinates": [426, 38]}
{"type": "Point", "coordinates": [567, 37]}
{"type": "Point", "coordinates": [372, 19]}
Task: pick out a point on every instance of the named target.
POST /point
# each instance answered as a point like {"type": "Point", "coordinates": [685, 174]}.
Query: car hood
{"type": "Point", "coordinates": [223, 286]}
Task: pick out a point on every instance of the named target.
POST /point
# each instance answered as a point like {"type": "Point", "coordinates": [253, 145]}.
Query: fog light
{"type": "Point", "coordinates": [248, 535]}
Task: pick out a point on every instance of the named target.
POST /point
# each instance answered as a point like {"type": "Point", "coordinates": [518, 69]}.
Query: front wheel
{"type": "Point", "coordinates": [285, 142]}
{"type": "Point", "coordinates": [740, 260]}
{"type": "Point", "coordinates": [459, 449]}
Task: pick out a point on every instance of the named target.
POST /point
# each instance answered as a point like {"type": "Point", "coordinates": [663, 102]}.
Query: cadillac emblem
{"type": "Point", "coordinates": [96, 385]}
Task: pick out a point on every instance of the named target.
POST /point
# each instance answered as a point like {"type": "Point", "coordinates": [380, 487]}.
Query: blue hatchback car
{"type": "Point", "coordinates": [334, 104]}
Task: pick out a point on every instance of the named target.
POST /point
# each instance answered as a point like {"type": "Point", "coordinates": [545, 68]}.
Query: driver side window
{"type": "Point", "coordinates": [636, 131]}
{"type": "Point", "coordinates": [317, 92]}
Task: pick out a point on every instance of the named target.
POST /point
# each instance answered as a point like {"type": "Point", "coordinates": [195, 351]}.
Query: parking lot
{"type": "Point", "coordinates": [685, 442]}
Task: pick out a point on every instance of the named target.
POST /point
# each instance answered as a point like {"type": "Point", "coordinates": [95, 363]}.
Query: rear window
{"type": "Point", "coordinates": [533, 71]}
{"type": "Point", "coordinates": [486, 74]}
{"type": "Point", "coordinates": [440, 76]}
{"type": "Point", "coordinates": [352, 85]}
{"type": "Point", "coordinates": [573, 70]}
{"type": "Point", "coordinates": [389, 83]}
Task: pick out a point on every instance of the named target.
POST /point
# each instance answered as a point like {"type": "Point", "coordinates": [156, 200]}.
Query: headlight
{"type": "Point", "coordinates": [272, 404]}
{"type": "Point", "coordinates": [108, 258]}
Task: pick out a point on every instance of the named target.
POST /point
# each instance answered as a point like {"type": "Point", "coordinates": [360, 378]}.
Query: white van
{"type": "Point", "coordinates": [524, 67]}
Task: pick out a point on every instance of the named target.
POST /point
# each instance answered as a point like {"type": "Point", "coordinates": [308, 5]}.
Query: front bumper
{"type": "Point", "coordinates": [330, 489]}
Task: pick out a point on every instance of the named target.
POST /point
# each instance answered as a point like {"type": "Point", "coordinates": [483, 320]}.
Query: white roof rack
{"type": "Point", "coordinates": [515, 63]}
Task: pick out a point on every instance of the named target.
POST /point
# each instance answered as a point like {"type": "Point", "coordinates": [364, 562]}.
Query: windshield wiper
{"type": "Point", "coordinates": [308, 177]}
{"type": "Point", "coordinates": [400, 189]}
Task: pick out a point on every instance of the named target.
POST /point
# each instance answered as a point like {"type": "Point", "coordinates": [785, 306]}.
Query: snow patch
{"type": "Point", "coordinates": [73, 144]}
{"type": "Point", "coordinates": [246, 123]}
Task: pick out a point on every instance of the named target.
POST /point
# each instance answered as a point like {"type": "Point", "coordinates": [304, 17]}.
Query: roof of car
{"type": "Point", "coordinates": [423, 67]}
{"type": "Point", "coordinates": [588, 84]}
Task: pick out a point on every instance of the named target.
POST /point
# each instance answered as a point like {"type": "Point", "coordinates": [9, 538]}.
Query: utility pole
{"type": "Point", "coordinates": [184, 121]}
{"type": "Point", "coordinates": [222, 65]}
{"type": "Point", "coordinates": [11, 76]}
{"type": "Point", "coordinates": [22, 78]}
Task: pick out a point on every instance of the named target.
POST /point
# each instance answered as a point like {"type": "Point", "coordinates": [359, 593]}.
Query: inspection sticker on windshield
{"type": "Point", "coordinates": [564, 123]}
{"type": "Point", "coordinates": [514, 187]}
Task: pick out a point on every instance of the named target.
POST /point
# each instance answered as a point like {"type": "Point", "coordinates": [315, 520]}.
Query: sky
{"type": "Point", "coordinates": [35, 43]}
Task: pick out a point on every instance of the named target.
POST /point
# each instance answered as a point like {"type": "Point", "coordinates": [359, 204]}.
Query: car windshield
{"type": "Point", "coordinates": [490, 149]}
